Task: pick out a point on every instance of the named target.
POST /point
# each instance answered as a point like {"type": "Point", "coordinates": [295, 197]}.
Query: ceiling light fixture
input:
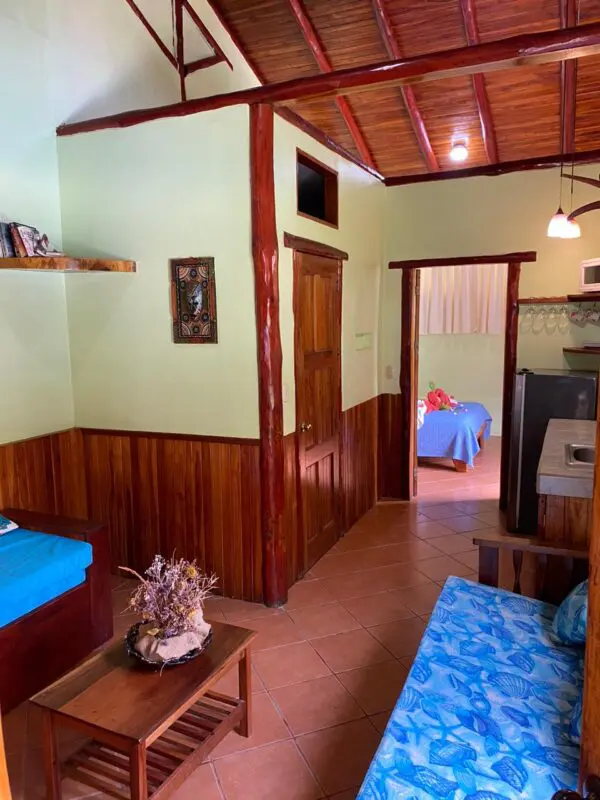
{"type": "Point", "coordinates": [558, 225]}
{"type": "Point", "coordinates": [459, 152]}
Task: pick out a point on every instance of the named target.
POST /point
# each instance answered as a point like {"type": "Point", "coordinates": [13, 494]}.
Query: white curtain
{"type": "Point", "coordinates": [463, 299]}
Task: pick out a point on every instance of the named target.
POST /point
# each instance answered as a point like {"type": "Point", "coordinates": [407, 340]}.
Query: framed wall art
{"type": "Point", "coordinates": [193, 300]}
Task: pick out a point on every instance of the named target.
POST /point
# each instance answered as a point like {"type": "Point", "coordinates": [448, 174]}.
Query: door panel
{"type": "Point", "coordinates": [317, 311]}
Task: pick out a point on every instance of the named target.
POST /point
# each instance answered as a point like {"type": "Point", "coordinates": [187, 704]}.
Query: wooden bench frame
{"type": "Point", "coordinates": [560, 567]}
{"type": "Point", "coordinates": [41, 646]}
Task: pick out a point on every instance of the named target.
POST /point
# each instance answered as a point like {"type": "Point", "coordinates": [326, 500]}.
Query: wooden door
{"type": "Point", "coordinates": [409, 380]}
{"type": "Point", "coordinates": [318, 316]}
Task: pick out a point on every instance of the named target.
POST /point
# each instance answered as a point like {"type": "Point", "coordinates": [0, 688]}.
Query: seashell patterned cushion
{"type": "Point", "coordinates": [484, 713]}
{"type": "Point", "coordinates": [570, 623]}
{"type": "Point", "coordinates": [7, 525]}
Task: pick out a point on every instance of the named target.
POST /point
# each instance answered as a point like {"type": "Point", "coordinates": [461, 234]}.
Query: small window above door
{"type": "Point", "coordinates": [317, 189]}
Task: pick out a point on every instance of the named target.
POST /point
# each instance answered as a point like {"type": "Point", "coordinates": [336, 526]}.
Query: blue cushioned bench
{"type": "Point", "coordinates": [484, 711]}
{"type": "Point", "coordinates": [55, 600]}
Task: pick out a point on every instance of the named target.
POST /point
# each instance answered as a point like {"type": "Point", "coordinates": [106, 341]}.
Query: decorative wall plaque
{"type": "Point", "coordinates": [193, 300]}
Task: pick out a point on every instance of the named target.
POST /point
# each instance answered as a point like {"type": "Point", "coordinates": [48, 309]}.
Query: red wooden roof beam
{"type": "Point", "coordinates": [391, 45]}
{"type": "Point", "coordinates": [568, 81]}
{"type": "Point", "coordinates": [168, 54]}
{"type": "Point", "coordinates": [312, 40]}
{"type": "Point", "coordinates": [540, 48]}
{"type": "Point", "coordinates": [484, 110]}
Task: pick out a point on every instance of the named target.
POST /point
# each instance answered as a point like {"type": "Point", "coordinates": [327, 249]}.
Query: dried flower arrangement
{"type": "Point", "coordinates": [170, 600]}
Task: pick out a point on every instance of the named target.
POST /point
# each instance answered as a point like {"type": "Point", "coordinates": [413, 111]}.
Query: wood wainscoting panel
{"type": "Point", "coordinates": [294, 546]}
{"type": "Point", "coordinates": [359, 461]}
{"type": "Point", "coordinates": [45, 474]}
{"type": "Point", "coordinates": [192, 496]}
{"type": "Point", "coordinates": [389, 454]}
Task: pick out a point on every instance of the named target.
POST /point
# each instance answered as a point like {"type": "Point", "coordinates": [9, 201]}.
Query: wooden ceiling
{"type": "Point", "coordinates": [524, 113]}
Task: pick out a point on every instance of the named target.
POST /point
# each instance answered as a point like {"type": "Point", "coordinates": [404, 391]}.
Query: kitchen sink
{"type": "Point", "coordinates": [580, 454]}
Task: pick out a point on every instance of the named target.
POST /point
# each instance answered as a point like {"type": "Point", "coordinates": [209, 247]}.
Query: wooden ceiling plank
{"type": "Point", "coordinates": [521, 165]}
{"type": "Point", "coordinates": [408, 96]}
{"type": "Point", "coordinates": [312, 40]}
{"type": "Point", "coordinates": [568, 81]}
{"type": "Point", "coordinates": [284, 111]}
{"type": "Point", "coordinates": [539, 48]}
{"type": "Point", "coordinates": [207, 34]}
{"type": "Point", "coordinates": [168, 54]}
{"type": "Point", "coordinates": [178, 13]}
{"type": "Point", "coordinates": [484, 110]}
{"type": "Point", "coordinates": [320, 136]}
{"type": "Point", "coordinates": [236, 40]}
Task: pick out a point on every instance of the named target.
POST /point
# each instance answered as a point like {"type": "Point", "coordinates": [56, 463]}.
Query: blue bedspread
{"type": "Point", "coordinates": [453, 434]}
{"type": "Point", "coordinates": [484, 711]}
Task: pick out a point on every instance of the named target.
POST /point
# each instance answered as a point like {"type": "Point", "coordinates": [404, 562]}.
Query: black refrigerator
{"type": "Point", "coordinates": [540, 395]}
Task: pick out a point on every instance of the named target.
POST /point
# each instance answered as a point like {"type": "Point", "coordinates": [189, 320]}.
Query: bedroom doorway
{"type": "Point", "coordinates": [409, 362]}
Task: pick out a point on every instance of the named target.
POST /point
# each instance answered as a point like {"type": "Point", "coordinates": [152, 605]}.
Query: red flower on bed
{"type": "Point", "coordinates": [439, 400]}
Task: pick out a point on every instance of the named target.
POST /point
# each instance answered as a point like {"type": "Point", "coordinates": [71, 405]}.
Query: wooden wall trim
{"type": "Point", "coordinates": [313, 248]}
{"type": "Point", "coordinates": [188, 437]}
{"type": "Point", "coordinates": [358, 461]}
{"type": "Point", "coordinates": [503, 258]}
{"type": "Point", "coordinates": [270, 399]}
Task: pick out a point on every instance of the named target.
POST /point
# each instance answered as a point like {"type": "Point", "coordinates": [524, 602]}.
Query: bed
{"type": "Point", "coordinates": [457, 434]}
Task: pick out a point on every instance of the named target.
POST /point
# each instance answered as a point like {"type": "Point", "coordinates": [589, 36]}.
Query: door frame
{"type": "Point", "coordinates": [310, 247]}
{"type": "Point", "coordinates": [409, 358]}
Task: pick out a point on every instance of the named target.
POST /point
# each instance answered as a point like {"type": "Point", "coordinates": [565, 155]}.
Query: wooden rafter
{"type": "Point", "coordinates": [312, 40]}
{"type": "Point", "coordinates": [484, 110]}
{"type": "Point", "coordinates": [539, 48]}
{"type": "Point", "coordinates": [178, 21]}
{"type": "Point", "coordinates": [520, 165]}
{"type": "Point", "coordinates": [164, 49]}
{"type": "Point", "coordinates": [568, 81]}
{"type": "Point", "coordinates": [391, 45]}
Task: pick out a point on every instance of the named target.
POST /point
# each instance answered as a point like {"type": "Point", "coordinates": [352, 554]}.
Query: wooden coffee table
{"type": "Point", "coordinates": [149, 730]}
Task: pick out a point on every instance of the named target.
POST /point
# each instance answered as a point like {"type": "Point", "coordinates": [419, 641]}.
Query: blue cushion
{"type": "Point", "coordinates": [484, 711]}
{"type": "Point", "coordinates": [37, 567]}
{"type": "Point", "coordinates": [570, 622]}
{"type": "Point", "coordinates": [7, 525]}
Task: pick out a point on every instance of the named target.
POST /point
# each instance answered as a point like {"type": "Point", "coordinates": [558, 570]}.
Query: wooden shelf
{"type": "Point", "coordinates": [67, 264]}
{"type": "Point", "coordinates": [546, 301]}
{"type": "Point", "coordinates": [588, 351]}
{"type": "Point", "coordinates": [584, 297]}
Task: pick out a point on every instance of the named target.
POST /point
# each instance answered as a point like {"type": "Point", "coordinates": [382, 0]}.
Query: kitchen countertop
{"type": "Point", "coordinates": [554, 475]}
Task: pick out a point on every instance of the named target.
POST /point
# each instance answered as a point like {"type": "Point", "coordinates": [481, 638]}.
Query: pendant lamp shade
{"type": "Point", "coordinates": [557, 227]}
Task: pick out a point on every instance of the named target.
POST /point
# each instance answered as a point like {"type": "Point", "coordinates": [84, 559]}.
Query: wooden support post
{"type": "Point", "coordinates": [266, 281]}
{"type": "Point", "coordinates": [179, 43]}
{"type": "Point", "coordinates": [590, 736]}
{"type": "Point", "coordinates": [510, 365]}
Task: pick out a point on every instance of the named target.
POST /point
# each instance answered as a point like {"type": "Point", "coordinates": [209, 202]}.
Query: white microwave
{"type": "Point", "coordinates": [590, 275]}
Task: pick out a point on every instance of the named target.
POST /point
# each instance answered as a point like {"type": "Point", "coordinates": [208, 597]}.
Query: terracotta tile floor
{"type": "Point", "coordinates": [329, 667]}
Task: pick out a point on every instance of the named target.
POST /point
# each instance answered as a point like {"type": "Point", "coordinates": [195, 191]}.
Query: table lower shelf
{"type": "Point", "coordinates": [170, 759]}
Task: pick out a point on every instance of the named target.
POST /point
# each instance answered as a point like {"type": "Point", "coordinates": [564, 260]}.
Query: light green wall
{"type": "Point", "coordinates": [172, 188]}
{"type": "Point", "coordinates": [34, 351]}
{"type": "Point", "coordinates": [476, 216]}
{"type": "Point", "coordinates": [360, 235]}
{"type": "Point", "coordinates": [469, 366]}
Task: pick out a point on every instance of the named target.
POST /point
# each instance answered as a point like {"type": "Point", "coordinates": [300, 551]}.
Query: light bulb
{"type": "Point", "coordinates": [557, 225]}
{"type": "Point", "coordinates": [459, 152]}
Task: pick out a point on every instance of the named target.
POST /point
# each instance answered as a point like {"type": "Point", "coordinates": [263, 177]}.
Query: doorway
{"type": "Point", "coordinates": [409, 360]}
{"type": "Point", "coordinates": [318, 318]}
